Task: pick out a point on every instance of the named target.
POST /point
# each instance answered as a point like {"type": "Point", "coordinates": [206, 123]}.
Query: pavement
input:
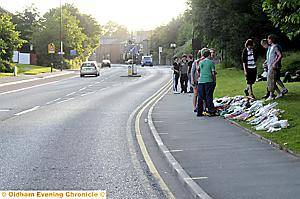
{"type": "Point", "coordinates": [224, 160]}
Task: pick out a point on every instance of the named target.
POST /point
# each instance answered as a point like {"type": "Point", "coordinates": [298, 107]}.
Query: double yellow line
{"type": "Point", "coordinates": [142, 145]}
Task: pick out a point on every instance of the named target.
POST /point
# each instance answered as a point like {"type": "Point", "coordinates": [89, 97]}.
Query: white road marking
{"type": "Point", "coordinates": [4, 110]}
{"type": "Point", "coordinates": [82, 89]}
{"type": "Point", "coordinates": [70, 94]}
{"type": "Point", "coordinates": [34, 79]}
{"type": "Point", "coordinates": [102, 89]}
{"type": "Point", "coordinates": [90, 85]}
{"type": "Point", "coordinates": [53, 101]}
{"type": "Point", "coordinates": [175, 150]}
{"type": "Point", "coordinates": [30, 87]}
{"type": "Point", "coordinates": [66, 100]}
{"type": "Point", "coordinates": [87, 93]}
{"type": "Point", "coordinates": [198, 178]}
{"type": "Point", "coordinates": [27, 111]}
{"type": "Point", "coordinates": [22, 89]}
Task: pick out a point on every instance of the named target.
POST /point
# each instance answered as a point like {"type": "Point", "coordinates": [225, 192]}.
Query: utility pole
{"type": "Point", "coordinates": [61, 43]}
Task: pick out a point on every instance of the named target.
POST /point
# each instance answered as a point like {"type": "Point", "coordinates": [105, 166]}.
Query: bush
{"type": "Point", "coordinates": [230, 63]}
{"type": "Point", "coordinates": [290, 62]}
{"type": "Point", "coordinates": [6, 67]}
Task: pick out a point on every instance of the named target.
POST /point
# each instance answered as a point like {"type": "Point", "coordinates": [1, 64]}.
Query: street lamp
{"type": "Point", "coordinates": [61, 53]}
{"type": "Point", "coordinates": [173, 46]}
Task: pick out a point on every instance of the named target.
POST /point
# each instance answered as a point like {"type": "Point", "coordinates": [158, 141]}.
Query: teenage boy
{"type": "Point", "coordinates": [190, 65]}
{"type": "Point", "coordinates": [194, 79]}
{"type": "Point", "coordinates": [175, 68]}
{"type": "Point", "coordinates": [273, 59]}
{"type": "Point", "coordinates": [206, 83]}
{"type": "Point", "coordinates": [250, 70]}
{"type": "Point", "coordinates": [183, 73]}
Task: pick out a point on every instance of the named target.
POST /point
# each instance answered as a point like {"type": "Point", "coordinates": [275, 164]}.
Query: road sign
{"type": "Point", "coordinates": [160, 49]}
{"type": "Point", "coordinates": [73, 52]}
{"type": "Point", "coordinates": [51, 48]}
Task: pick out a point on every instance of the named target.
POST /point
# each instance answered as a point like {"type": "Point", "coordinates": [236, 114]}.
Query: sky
{"type": "Point", "coordinates": [134, 14]}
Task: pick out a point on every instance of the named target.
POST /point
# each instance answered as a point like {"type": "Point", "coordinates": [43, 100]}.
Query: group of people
{"type": "Point", "coordinates": [200, 77]}
{"type": "Point", "coordinates": [182, 71]}
{"type": "Point", "coordinates": [272, 66]}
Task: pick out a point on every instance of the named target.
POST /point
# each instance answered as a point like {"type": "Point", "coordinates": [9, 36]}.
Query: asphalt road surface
{"type": "Point", "coordinates": [70, 134]}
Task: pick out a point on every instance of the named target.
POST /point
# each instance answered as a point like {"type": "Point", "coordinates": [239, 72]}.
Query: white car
{"type": "Point", "coordinates": [89, 68]}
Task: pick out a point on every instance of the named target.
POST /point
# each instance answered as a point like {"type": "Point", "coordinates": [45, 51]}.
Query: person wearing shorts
{"type": "Point", "coordinates": [250, 70]}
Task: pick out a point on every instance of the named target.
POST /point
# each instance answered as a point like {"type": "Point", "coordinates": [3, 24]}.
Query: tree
{"type": "Point", "coordinates": [80, 32]}
{"type": "Point", "coordinates": [9, 40]}
{"type": "Point", "coordinates": [179, 31]}
{"type": "Point", "coordinates": [285, 15]}
{"type": "Point", "coordinates": [114, 30]}
{"type": "Point", "coordinates": [26, 22]}
{"type": "Point", "coordinates": [226, 24]}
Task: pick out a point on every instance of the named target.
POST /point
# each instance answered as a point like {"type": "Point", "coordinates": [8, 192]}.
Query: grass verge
{"type": "Point", "coordinates": [27, 69]}
{"type": "Point", "coordinates": [32, 69]}
{"type": "Point", "coordinates": [232, 82]}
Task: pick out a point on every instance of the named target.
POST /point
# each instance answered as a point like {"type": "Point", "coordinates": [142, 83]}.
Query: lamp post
{"type": "Point", "coordinates": [61, 53]}
{"type": "Point", "coordinates": [173, 46]}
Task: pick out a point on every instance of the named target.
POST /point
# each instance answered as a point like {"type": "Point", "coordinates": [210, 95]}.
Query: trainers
{"type": "Point", "coordinates": [284, 91]}
{"type": "Point", "coordinates": [199, 115]}
{"type": "Point", "coordinates": [246, 92]}
{"type": "Point", "coordinates": [205, 113]}
{"type": "Point", "coordinates": [279, 95]}
{"type": "Point", "coordinates": [212, 114]}
{"type": "Point", "coordinates": [252, 96]}
{"type": "Point", "coordinates": [266, 96]}
{"type": "Point", "coordinates": [270, 98]}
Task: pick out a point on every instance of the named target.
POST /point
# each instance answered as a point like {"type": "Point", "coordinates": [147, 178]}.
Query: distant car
{"type": "Point", "coordinates": [146, 61]}
{"type": "Point", "coordinates": [106, 63]}
{"type": "Point", "coordinates": [89, 68]}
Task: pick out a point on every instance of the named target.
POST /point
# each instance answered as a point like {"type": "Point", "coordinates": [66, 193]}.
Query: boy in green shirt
{"type": "Point", "coordinates": [206, 85]}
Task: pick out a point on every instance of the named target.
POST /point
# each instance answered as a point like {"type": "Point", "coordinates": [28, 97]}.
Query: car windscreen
{"type": "Point", "coordinates": [87, 65]}
{"type": "Point", "coordinates": [147, 58]}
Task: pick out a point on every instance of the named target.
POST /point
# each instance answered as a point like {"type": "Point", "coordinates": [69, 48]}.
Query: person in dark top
{"type": "Point", "coordinates": [184, 73]}
{"type": "Point", "coordinates": [249, 58]}
{"type": "Point", "coordinates": [176, 74]}
{"type": "Point", "coordinates": [190, 64]}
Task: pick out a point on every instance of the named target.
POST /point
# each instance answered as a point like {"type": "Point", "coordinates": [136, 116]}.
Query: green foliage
{"type": "Point", "coordinates": [9, 41]}
{"type": "Point", "coordinates": [178, 31]}
{"type": "Point", "coordinates": [184, 49]}
{"type": "Point", "coordinates": [285, 15]}
{"type": "Point", "coordinates": [226, 24]}
{"type": "Point", "coordinates": [26, 22]}
{"type": "Point", "coordinates": [80, 32]}
{"type": "Point", "coordinates": [114, 30]}
{"type": "Point", "coordinates": [290, 62]}
{"type": "Point", "coordinates": [6, 67]}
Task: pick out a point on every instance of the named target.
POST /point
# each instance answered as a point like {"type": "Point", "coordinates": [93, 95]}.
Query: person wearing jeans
{"type": "Point", "coordinates": [175, 68]}
{"type": "Point", "coordinates": [184, 74]}
{"type": "Point", "coordinates": [206, 85]}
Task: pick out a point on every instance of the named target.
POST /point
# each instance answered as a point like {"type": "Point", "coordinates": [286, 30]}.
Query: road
{"type": "Point", "coordinates": [70, 134]}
